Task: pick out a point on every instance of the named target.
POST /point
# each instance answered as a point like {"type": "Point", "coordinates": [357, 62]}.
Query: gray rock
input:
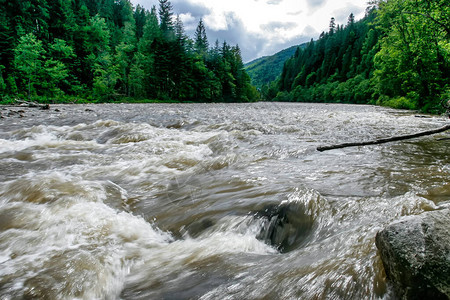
{"type": "Point", "coordinates": [416, 255]}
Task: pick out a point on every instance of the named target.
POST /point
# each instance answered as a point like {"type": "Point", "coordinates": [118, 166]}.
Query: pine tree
{"type": "Point", "coordinates": [165, 19]}
{"type": "Point", "coordinates": [351, 20]}
{"type": "Point", "coordinates": [332, 26]}
{"type": "Point", "coordinates": [201, 40]}
{"type": "Point", "coordinates": [139, 15]}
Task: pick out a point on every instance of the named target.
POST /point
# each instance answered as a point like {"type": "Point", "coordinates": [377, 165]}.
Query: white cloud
{"type": "Point", "coordinates": [262, 27]}
{"type": "Point", "coordinates": [189, 21]}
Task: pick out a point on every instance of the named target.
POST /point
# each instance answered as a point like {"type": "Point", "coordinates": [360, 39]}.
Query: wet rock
{"type": "Point", "coordinates": [287, 225]}
{"type": "Point", "coordinates": [416, 255]}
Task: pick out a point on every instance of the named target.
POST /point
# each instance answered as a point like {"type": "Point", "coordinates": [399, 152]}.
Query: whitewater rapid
{"type": "Point", "coordinates": [207, 201]}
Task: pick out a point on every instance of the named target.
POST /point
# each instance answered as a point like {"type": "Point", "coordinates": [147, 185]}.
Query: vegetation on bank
{"type": "Point", "coordinates": [398, 56]}
{"type": "Point", "coordinates": [79, 51]}
{"type": "Point", "coordinates": [90, 50]}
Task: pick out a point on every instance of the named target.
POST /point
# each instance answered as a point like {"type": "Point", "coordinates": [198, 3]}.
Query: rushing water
{"type": "Point", "coordinates": [208, 201]}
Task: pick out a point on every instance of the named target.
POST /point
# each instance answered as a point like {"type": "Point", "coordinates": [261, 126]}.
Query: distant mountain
{"type": "Point", "coordinates": [266, 69]}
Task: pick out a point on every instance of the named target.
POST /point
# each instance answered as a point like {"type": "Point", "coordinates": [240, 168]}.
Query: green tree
{"type": "Point", "coordinates": [201, 40]}
{"type": "Point", "coordinates": [3, 86]}
{"type": "Point", "coordinates": [6, 39]}
{"type": "Point", "coordinates": [124, 55]}
{"type": "Point", "coordinates": [166, 19]}
{"type": "Point", "coordinates": [105, 73]}
{"type": "Point", "coordinates": [413, 64]}
{"type": "Point", "coordinates": [28, 60]}
{"type": "Point", "coordinates": [332, 26]}
{"type": "Point", "coordinates": [328, 69]}
{"type": "Point", "coordinates": [55, 66]}
{"type": "Point", "coordinates": [142, 75]}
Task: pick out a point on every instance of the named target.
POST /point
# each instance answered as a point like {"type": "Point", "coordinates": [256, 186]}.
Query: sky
{"type": "Point", "coordinates": [262, 27]}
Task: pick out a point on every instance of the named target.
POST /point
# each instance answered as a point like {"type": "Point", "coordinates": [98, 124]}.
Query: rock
{"type": "Point", "coordinates": [416, 255]}
{"type": "Point", "coordinates": [12, 113]}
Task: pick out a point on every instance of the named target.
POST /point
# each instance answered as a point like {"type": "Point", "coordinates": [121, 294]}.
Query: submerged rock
{"type": "Point", "coordinates": [287, 225]}
{"type": "Point", "coordinates": [416, 255]}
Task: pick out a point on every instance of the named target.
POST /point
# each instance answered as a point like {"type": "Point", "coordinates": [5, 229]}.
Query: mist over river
{"type": "Point", "coordinates": [208, 201]}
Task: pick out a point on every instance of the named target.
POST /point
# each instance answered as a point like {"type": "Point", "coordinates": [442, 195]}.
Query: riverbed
{"type": "Point", "coordinates": [208, 201]}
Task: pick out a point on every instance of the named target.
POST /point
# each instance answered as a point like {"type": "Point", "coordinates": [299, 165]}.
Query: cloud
{"type": "Point", "coordinates": [274, 2]}
{"type": "Point", "coordinates": [278, 26]}
{"type": "Point", "coordinates": [310, 31]}
{"type": "Point", "coordinates": [341, 15]}
{"type": "Point", "coordinates": [261, 27]}
{"type": "Point", "coordinates": [189, 21]}
{"type": "Point", "coordinates": [218, 20]}
{"type": "Point", "coordinates": [235, 34]}
{"type": "Point", "coordinates": [184, 7]}
{"type": "Point", "coordinates": [295, 13]}
{"type": "Point", "coordinates": [315, 4]}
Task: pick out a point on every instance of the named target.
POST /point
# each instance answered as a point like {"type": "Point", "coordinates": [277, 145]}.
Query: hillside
{"type": "Point", "coordinates": [268, 68]}
{"type": "Point", "coordinates": [397, 55]}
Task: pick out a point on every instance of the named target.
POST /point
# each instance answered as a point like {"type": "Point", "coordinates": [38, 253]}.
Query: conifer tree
{"type": "Point", "coordinates": [201, 40]}
{"type": "Point", "coordinates": [332, 26]}
{"type": "Point", "coordinates": [166, 19]}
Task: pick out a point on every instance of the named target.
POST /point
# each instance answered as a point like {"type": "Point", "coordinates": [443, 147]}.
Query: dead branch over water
{"type": "Point", "coordinates": [385, 140]}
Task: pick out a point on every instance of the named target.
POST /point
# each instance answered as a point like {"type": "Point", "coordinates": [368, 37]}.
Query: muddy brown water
{"type": "Point", "coordinates": [208, 201]}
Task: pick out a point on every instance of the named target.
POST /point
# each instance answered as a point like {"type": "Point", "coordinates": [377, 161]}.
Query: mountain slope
{"type": "Point", "coordinates": [266, 69]}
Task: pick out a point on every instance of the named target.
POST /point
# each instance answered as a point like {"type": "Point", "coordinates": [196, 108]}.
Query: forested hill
{"type": "Point", "coordinates": [109, 50]}
{"type": "Point", "coordinates": [398, 55]}
{"type": "Point", "coordinates": [268, 68]}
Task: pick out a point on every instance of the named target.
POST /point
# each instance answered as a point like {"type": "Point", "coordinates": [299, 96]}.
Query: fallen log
{"type": "Point", "coordinates": [385, 140]}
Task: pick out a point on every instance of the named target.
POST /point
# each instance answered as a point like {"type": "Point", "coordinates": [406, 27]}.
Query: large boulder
{"type": "Point", "coordinates": [416, 255]}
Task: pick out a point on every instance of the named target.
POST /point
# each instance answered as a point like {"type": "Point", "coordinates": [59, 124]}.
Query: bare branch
{"type": "Point", "coordinates": [385, 140]}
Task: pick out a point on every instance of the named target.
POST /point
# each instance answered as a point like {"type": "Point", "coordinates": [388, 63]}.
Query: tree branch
{"type": "Point", "coordinates": [385, 140]}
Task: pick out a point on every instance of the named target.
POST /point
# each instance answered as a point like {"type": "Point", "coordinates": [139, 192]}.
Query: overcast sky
{"type": "Point", "coordinates": [262, 27]}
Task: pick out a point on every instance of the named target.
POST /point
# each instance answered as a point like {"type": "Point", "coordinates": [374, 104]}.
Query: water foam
{"type": "Point", "coordinates": [61, 226]}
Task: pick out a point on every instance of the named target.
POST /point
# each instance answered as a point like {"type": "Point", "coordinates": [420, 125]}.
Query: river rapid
{"type": "Point", "coordinates": [208, 201]}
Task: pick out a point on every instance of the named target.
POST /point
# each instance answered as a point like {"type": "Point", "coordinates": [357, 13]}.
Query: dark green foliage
{"type": "Point", "coordinates": [107, 50]}
{"type": "Point", "coordinates": [201, 41]}
{"type": "Point", "coordinates": [398, 55]}
{"type": "Point", "coordinates": [413, 64]}
{"type": "Point", "coordinates": [334, 59]}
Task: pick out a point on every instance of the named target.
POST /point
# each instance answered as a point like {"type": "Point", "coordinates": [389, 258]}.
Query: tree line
{"type": "Point", "coordinates": [108, 50]}
{"type": "Point", "coordinates": [398, 55]}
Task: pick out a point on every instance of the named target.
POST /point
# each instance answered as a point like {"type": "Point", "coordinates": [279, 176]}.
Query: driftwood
{"type": "Point", "coordinates": [32, 104]}
{"type": "Point", "coordinates": [385, 140]}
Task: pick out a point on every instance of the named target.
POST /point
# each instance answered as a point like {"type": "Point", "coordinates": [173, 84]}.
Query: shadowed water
{"type": "Point", "coordinates": [208, 201]}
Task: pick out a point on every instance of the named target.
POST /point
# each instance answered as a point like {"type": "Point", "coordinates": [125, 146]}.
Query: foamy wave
{"type": "Point", "coordinates": [62, 227]}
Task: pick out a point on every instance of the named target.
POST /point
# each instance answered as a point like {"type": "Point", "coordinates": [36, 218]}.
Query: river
{"type": "Point", "coordinates": [208, 201]}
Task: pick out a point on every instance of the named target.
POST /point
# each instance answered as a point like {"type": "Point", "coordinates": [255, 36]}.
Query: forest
{"type": "Point", "coordinates": [398, 55]}
{"type": "Point", "coordinates": [108, 50]}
